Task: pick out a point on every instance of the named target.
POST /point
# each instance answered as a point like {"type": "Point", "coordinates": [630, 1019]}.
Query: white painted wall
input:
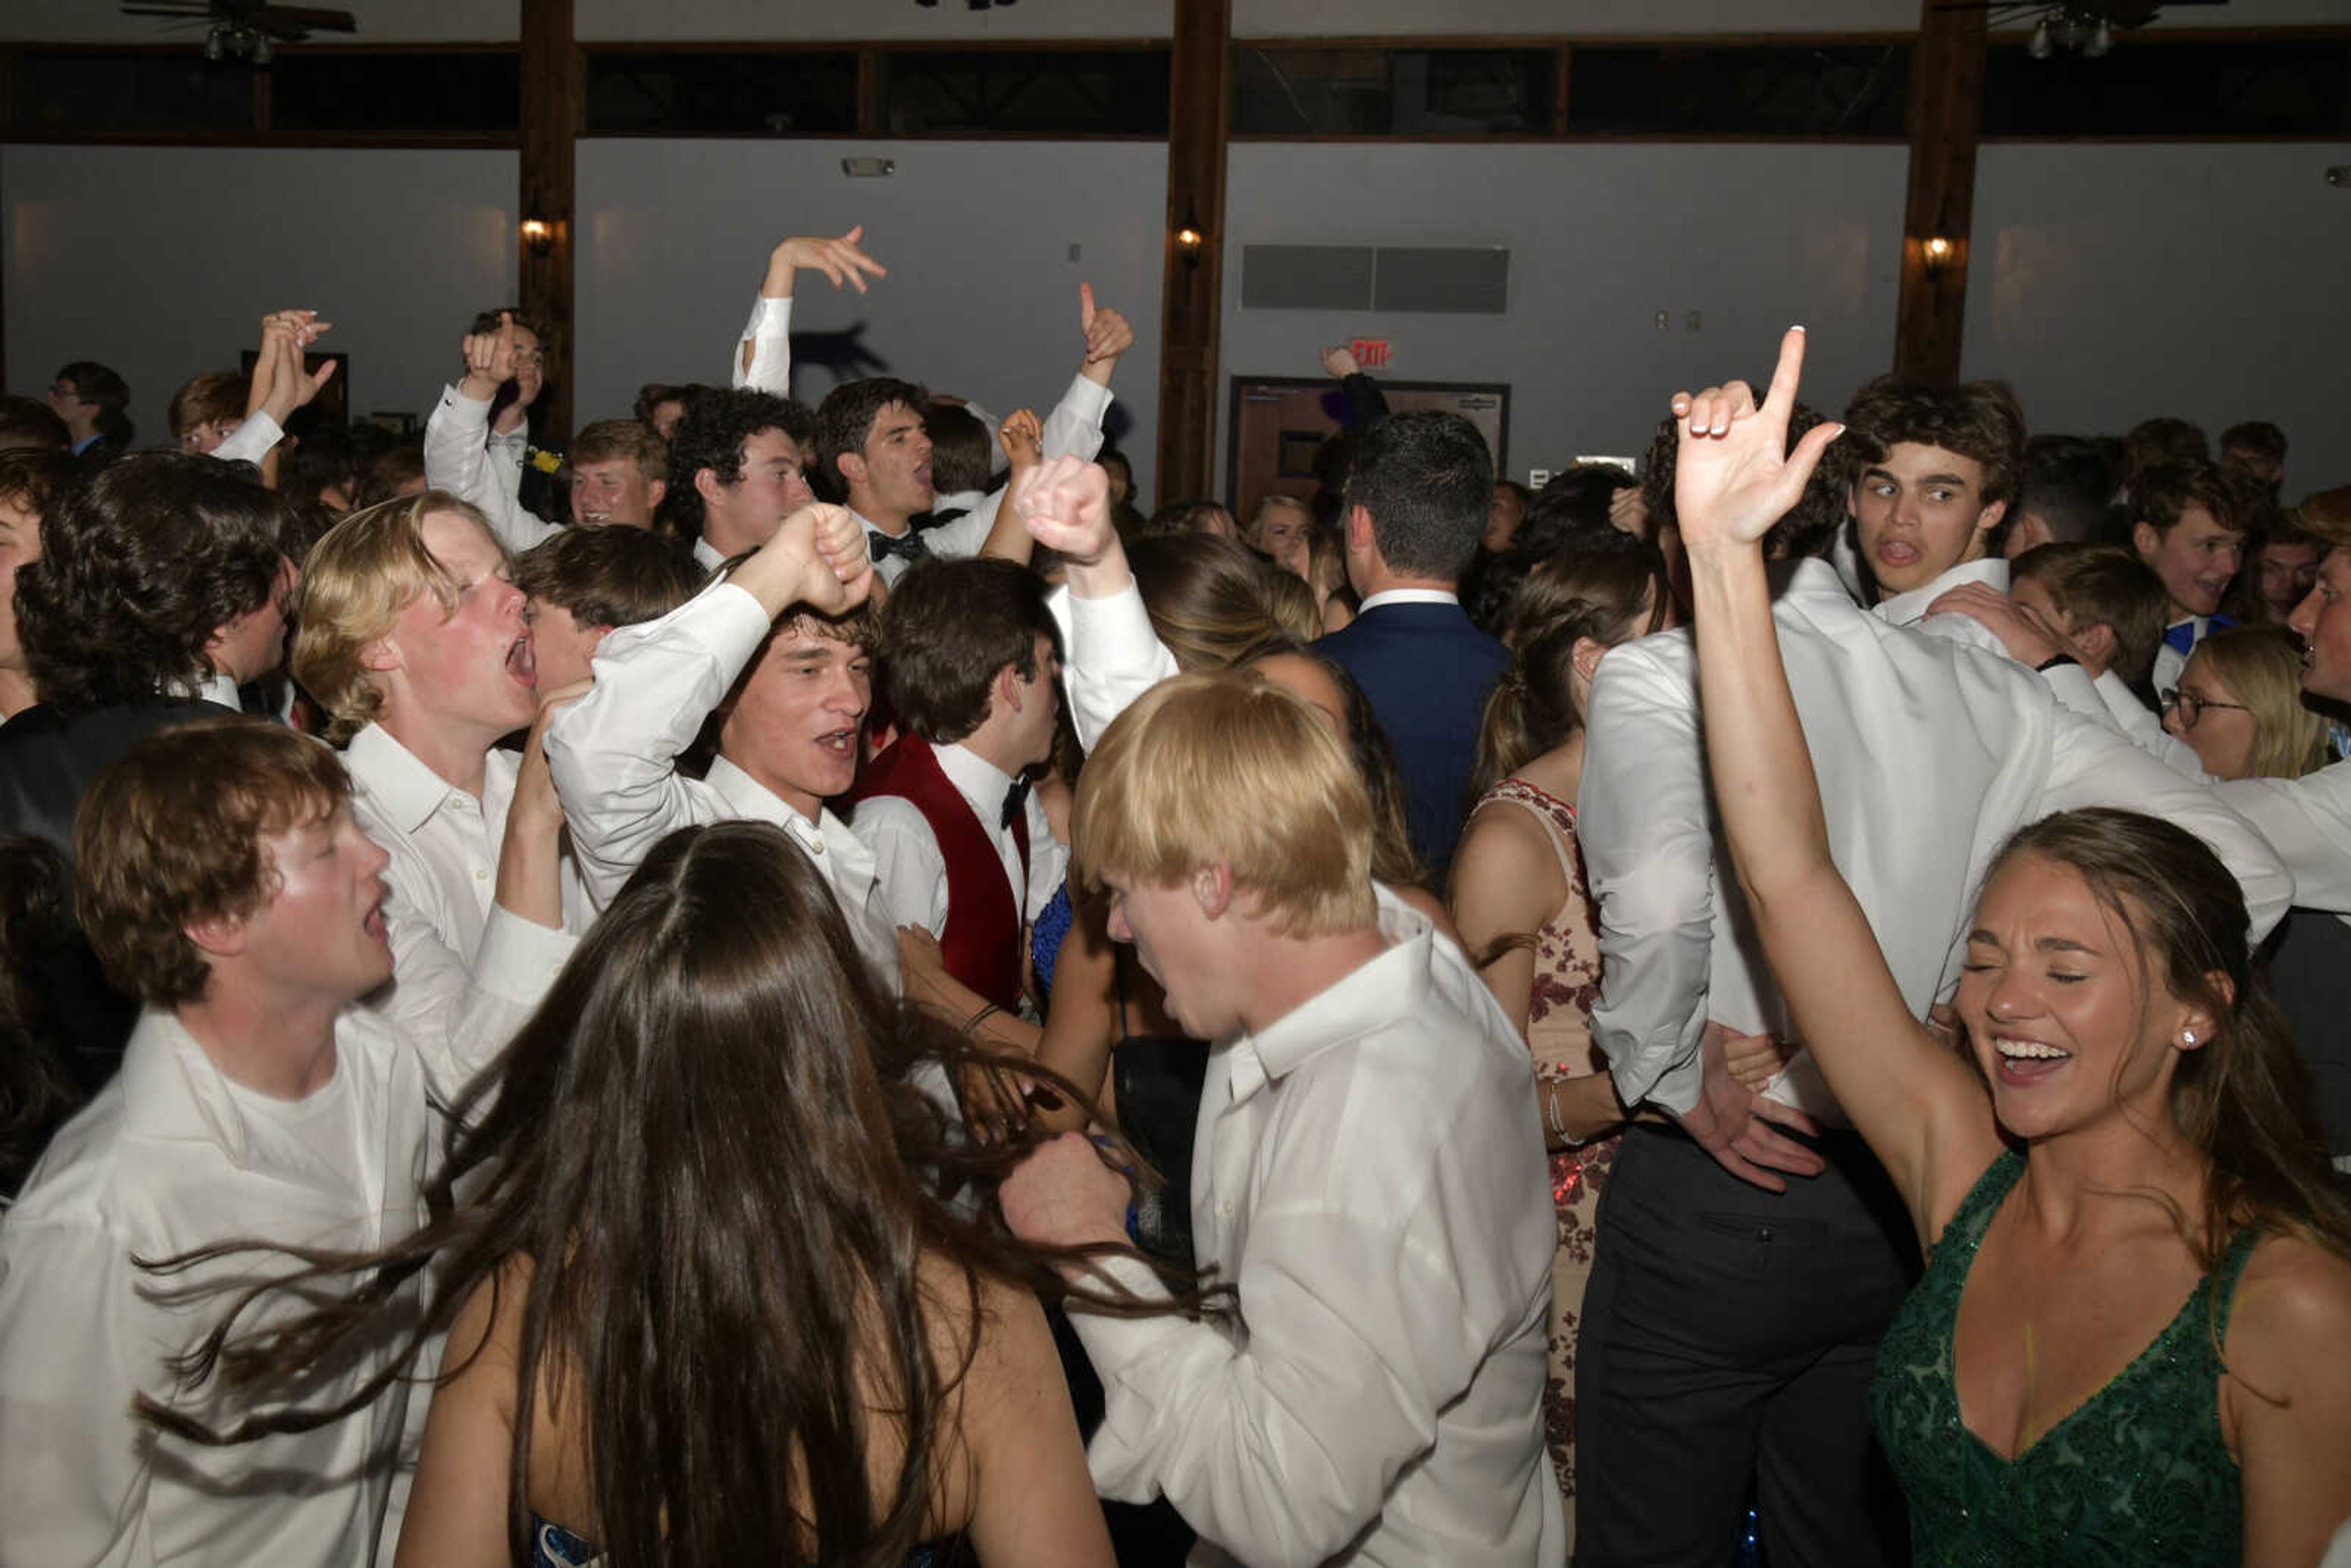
{"type": "Point", "coordinates": [161, 261]}
{"type": "Point", "coordinates": [982, 295]}
{"type": "Point", "coordinates": [2114, 283]}
{"type": "Point", "coordinates": [1601, 238]}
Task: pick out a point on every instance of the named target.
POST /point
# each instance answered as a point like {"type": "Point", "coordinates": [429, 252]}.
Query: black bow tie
{"type": "Point", "coordinates": [1015, 799]}
{"type": "Point", "coordinates": [882, 546]}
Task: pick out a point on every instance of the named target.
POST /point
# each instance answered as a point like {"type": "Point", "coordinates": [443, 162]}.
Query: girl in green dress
{"type": "Point", "coordinates": [2129, 1342]}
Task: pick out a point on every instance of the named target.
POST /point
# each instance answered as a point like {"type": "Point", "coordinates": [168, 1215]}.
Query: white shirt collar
{"type": "Point", "coordinates": [981, 783]}
{"type": "Point", "coordinates": [837, 851]}
{"type": "Point", "coordinates": [1367, 998]}
{"type": "Point", "coordinates": [1909, 609]}
{"type": "Point", "coordinates": [213, 687]}
{"type": "Point", "coordinates": [402, 786]}
{"type": "Point", "coordinates": [706, 556]}
{"type": "Point", "coordinates": [1411, 596]}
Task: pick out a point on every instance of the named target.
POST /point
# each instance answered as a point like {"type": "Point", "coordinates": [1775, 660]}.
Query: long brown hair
{"type": "Point", "coordinates": [1610, 598]}
{"type": "Point", "coordinates": [707, 1141]}
{"type": "Point", "coordinates": [2244, 1099]}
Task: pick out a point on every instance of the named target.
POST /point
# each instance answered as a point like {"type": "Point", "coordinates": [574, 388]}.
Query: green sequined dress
{"type": "Point", "coordinates": [2139, 1476]}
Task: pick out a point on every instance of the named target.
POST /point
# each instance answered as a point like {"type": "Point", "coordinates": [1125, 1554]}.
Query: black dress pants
{"type": "Point", "coordinates": [1727, 1342]}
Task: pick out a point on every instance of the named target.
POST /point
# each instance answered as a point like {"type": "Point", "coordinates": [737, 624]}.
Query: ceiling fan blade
{"type": "Point", "coordinates": [187, 13]}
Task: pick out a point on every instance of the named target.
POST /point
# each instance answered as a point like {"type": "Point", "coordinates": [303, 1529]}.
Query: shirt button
{"type": "Point", "coordinates": [1226, 1209]}
{"type": "Point", "coordinates": [817, 848]}
{"type": "Point", "coordinates": [481, 875]}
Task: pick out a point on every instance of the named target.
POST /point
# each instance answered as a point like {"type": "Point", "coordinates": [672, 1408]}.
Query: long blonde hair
{"type": "Point", "coordinates": [2262, 665]}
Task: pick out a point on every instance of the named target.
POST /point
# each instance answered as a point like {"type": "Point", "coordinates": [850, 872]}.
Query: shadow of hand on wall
{"type": "Point", "coordinates": [843, 353]}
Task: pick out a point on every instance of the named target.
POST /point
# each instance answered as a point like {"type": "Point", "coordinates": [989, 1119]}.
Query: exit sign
{"type": "Point", "coordinates": [1370, 353]}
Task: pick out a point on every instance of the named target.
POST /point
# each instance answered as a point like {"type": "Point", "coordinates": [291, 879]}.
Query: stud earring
{"type": "Point", "coordinates": [2188, 1037]}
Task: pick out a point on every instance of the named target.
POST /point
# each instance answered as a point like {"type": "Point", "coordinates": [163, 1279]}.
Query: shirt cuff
{"type": "Point", "coordinates": [452, 398]}
{"type": "Point", "coordinates": [519, 959]}
{"type": "Point", "coordinates": [251, 441]}
{"type": "Point", "coordinates": [1086, 400]}
{"type": "Point", "coordinates": [1112, 1342]}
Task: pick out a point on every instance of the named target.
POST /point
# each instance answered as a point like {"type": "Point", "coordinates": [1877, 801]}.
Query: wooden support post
{"type": "Point", "coordinates": [1191, 292]}
{"type": "Point", "coordinates": [1946, 93]}
{"type": "Point", "coordinates": [551, 90]}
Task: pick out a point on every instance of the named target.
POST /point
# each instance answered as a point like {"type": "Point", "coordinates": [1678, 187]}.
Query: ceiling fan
{"type": "Point", "coordinates": [2086, 26]}
{"type": "Point", "coordinates": [248, 30]}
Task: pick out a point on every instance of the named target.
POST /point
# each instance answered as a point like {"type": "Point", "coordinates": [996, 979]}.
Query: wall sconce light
{"type": "Point", "coordinates": [1934, 254]}
{"type": "Point", "coordinates": [538, 236]}
{"type": "Point", "coordinates": [1189, 239]}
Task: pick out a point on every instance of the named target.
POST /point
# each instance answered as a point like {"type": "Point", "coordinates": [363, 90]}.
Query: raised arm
{"type": "Point", "coordinates": [763, 357]}
{"type": "Point", "coordinates": [614, 753]}
{"type": "Point", "coordinates": [1921, 1110]}
{"type": "Point", "coordinates": [457, 457]}
{"type": "Point", "coordinates": [1109, 654]}
{"type": "Point", "coordinates": [281, 383]}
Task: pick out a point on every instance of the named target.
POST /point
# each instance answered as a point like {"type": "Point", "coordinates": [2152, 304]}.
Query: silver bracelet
{"type": "Point", "coordinates": [1552, 1117]}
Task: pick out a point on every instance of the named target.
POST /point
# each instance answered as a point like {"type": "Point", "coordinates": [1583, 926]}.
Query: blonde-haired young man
{"type": "Point", "coordinates": [413, 636]}
{"type": "Point", "coordinates": [1369, 1174]}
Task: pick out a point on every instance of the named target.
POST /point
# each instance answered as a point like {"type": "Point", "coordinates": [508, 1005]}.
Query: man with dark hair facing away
{"type": "Point", "coordinates": [582, 583]}
{"type": "Point", "coordinates": [224, 884]}
{"type": "Point", "coordinates": [90, 399]}
{"type": "Point", "coordinates": [1417, 495]}
{"type": "Point", "coordinates": [970, 662]}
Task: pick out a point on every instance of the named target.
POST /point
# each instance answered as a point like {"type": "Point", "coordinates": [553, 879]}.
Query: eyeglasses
{"type": "Point", "coordinates": [2192, 706]}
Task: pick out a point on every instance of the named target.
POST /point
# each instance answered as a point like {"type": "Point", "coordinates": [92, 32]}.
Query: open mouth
{"type": "Point", "coordinates": [2023, 1062]}
{"type": "Point", "coordinates": [522, 663]}
{"type": "Point", "coordinates": [373, 924]}
{"type": "Point", "coordinates": [839, 742]}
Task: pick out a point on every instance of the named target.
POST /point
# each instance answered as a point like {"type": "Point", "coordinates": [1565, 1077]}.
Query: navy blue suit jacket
{"type": "Point", "coordinates": [1427, 669]}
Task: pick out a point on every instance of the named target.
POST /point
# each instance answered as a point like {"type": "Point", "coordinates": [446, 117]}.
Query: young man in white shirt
{"type": "Point", "coordinates": [1931, 501]}
{"type": "Point", "coordinates": [971, 661]}
{"type": "Point", "coordinates": [873, 454]}
{"type": "Point", "coordinates": [413, 637]}
{"type": "Point", "coordinates": [225, 884]}
{"type": "Point", "coordinates": [734, 471]}
{"type": "Point", "coordinates": [619, 468]}
{"type": "Point", "coordinates": [1733, 1315]}
{"type": "Point", "coordinates": [781, 652]}
{"type": "Point", "coordinates": [1369, 1179]}
{"type": "Point", "coordinates": [583, 583]}
{"type": "Point", "coordinates": [2185, 523]}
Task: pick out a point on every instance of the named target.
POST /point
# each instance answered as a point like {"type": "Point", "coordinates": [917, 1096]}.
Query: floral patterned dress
{"type": "Point", "coordinates": [1558, 1035]}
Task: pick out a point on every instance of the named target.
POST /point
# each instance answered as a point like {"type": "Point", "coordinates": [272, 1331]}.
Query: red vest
{"type": "Point", "coordinates": [981, 944]}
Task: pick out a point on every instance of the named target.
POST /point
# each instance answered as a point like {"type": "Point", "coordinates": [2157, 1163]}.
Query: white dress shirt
{"type": "Point", "coordinates": [1408, 596]}
{"type": "Point", "coordinates": [1928, 755]}
{"type": "Point", "coordinates": [914, 873]}
{"type": "Point", "coordinates": [614, 756]}
{"type": "Point", "coordinates": [1073, 430]}
{"type": "Point", "coordinates": [2308, 821]}
{"type": "Point", "coordinates": [171, 1156]}
{"type": "Point", "coordinates": [455, 953]}
{"type": "Point", "coordinates": [1370, 1175]}
{"type": "Point", "coordinates": [1110, 657]}
{"type": "Point", "coordinates": [250, 441]}
{"type": "Point", "coordinates": [462, 457]}
{"type": "Point", "coordinates": [1910, 608]}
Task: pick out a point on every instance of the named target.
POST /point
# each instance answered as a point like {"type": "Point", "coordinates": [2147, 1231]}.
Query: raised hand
{"type": "Point", "coordinates": [1022, 435]}
{"type": "Point", "coordinates": [489, 360]}
{"type": "Point", "coordinates": [840, 259]}
{"type": "Point", "coordinates": [1733, 473]}
{"type": "Point", "coordinates": [281, 383]}
{"type": "Point", "coordinates": [822, 549]}
{"type": "Point", "coordinates": [1065, 506]}
{"type": "Point", "coordinates": [1107, 335]}
{"type": "Point", "coordinates": [1340, 360]}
